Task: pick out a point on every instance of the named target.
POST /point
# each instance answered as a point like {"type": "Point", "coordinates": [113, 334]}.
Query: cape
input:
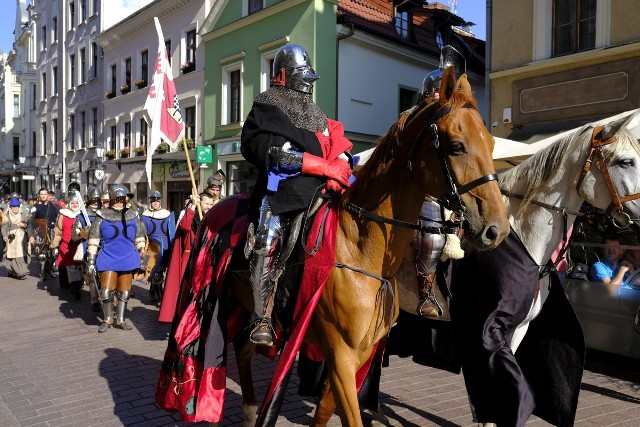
{"type": "Point", "coordinates": [492, 294]}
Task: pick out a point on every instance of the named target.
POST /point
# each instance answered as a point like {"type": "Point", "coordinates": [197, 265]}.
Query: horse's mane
{"type": "Point", "coordinates": [541, 168]}
{"type": "Point", "coordinates": [387, 145]}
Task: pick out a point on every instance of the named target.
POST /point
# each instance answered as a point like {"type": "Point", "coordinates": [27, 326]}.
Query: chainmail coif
{"type": "Point", "coordinates": [298, 106]}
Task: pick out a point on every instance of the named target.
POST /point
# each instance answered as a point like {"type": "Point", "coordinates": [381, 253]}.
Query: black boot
{"type": "Point", "coordinates": [76, 288]}
{"type": "Point", "coordinates": [262, 332]}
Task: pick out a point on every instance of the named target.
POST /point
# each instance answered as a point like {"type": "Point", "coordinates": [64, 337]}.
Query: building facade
{"type": "Point", "coordinates": [555, 65]}
{"type": "Point", "coordinates": [129, 50]}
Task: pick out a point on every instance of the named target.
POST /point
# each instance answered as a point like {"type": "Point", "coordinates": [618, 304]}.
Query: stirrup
{"type": "Point", "coordinates": [262, 332]}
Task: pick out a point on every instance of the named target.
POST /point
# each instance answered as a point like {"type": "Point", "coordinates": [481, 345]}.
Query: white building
{"type": "Point", "coordinates": [129, 51]}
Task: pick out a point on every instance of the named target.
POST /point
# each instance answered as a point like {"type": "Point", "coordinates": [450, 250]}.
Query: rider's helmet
{"type": "Point", "coordinates": [449, 57]}
{"type": "Point", "coordinates": [94, 194]}
{"type": "Point", "coordinates": [216, 180]}
{"type": "Point", "coordinates": [292, 68]}
{"type": "Point", "coordinates": [118, 193]}
{"type": "Point", "coordinates": [156, 195]}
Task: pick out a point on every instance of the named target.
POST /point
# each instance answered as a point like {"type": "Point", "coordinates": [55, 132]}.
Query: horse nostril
{"type": "Point", "coordinates": [492, 233]}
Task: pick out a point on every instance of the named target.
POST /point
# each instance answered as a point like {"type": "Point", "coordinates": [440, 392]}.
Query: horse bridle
{"type": "Point", "coordinates": [599, 138]}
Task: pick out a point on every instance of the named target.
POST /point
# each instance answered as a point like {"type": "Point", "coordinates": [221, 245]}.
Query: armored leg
{"type": "Point", "coordinates": [91, 279]}
{"type": "Point", "coordinates": [122, 296]}
{"type": "Point", "coordinates": [108, 280]}
{"type": "Point", "coordinates": [263, 256]}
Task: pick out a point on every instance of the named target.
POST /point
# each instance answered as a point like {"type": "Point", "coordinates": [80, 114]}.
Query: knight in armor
{"type": "Point", "coordinates": [120, 235]}
{"type": "Point", "coordinates": [80, 233]}
{"type": "Point", "coordinates": [68, 269]}
{"type": "Point", "coordinates": [160, 224]}
{"type": "Point", "coordinates": [296, 150]}
{"type": "Point", "coordinates": [214, 185]}
{"type": "Point", "coordinates": [449, 57]}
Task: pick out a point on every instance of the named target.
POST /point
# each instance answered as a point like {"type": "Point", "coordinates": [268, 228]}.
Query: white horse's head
{"type": "Point", "coordinates": [612, 180]}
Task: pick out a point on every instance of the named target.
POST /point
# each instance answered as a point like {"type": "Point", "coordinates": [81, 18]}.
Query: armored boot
{"type": "Point", "coordinates": [262, 249]}
{"type": "Point", "coordinates": [107, 310]}
{"type": "Point", "coordinates": [122, 298]}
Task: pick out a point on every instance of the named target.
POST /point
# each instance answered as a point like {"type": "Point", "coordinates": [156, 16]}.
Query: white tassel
{"type": "Point", "coordinates": [452, 248]}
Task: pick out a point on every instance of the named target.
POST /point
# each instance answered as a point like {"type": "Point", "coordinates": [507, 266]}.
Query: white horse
{"type": "Point", "coordinates": [599, 164]}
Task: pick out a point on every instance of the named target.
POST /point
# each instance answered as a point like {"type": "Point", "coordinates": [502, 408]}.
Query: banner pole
{"type": "Point", "coordinates": [194, 189]}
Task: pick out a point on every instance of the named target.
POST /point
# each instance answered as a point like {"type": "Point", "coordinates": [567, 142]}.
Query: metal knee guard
{"type": "Point", "coordinates": [264, 254]}
{"type": "Point", "coordinates": [122, 298]}
{"type": "Point", "coordinates": [106, 297]}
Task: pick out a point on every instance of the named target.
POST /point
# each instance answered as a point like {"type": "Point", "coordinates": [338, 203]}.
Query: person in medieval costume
{"type": "Point", "coordinates": [180, 252]}
{"type": "Point", "coordinates": [68, 269]}
{"type": "Point", "coordinates": [214, 186]}
{"type": "Point", "coordinates": [160, 224]}
{"type": "Point", "coordinates": [42, 221]}
{"type": "Point", "coordinates": [120, 235]}
{"type": "Point", "coordinates": [14, 232]}
{"type": "Point", "coordinates": [296, 150]}
{"type": "Point", "coordinates": [80, 233]}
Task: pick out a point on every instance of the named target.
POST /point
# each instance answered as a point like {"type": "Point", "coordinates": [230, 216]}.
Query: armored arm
{"type": "Point", "coordinates": [94, 238]}
{"type": "Point", "coordinates": [141, 235]}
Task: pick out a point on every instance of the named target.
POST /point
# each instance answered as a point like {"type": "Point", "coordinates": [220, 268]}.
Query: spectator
{"type": "Point", "coordinates": [15, 238]}
{"type": "Point", "coordinates": [610, 270]}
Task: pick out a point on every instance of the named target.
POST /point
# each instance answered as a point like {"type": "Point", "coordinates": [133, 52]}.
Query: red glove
{"type": "Point", "coordinates": [337, 169]}
{"type": "Point", "coordinates": [334, 186]}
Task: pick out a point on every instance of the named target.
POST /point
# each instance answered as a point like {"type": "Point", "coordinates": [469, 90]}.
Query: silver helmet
{"type": "Point", "coordinates": [292, 68]}
{"type": "Point", "coordinates": [72, 188]}
{"type": "Point", "coordinates": [117, 190]}
{"type": "Point", "coordinates": [155, 196]}
{"type": "Point", "coordinates": [216, 180]}
{"type": "Point", "coordinates": [449, 57]}
{"type": "Point", "coordinates": [94, 193]}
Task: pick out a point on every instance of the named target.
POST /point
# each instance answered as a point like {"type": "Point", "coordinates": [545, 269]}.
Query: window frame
{"type": "Point", "coordinates": [226, 107]}
{"type": "Point", "coordinates": [574, 26]}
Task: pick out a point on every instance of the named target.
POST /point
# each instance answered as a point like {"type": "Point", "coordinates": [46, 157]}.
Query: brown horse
{"type": "Point", "coordinates": [440, 148]}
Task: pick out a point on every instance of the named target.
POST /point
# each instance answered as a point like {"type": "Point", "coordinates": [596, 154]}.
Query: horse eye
{"type": "Point", "coordinates": [457, 148]}
{"type": "Point", "coordinates": [626, 163]}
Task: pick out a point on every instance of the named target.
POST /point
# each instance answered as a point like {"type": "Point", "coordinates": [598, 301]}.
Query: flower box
{"type": "Point", "coordinates": [140, 83]}
{"type": "Point", "coordinates": [110, 154]}
{"type": "Point", "coordinates": [124, 153]}
{"type": "Point", "coordinates": [187, 67]}
{"type": "Point", "coordinates": [109, 94]}
{"type": "Point", "coordinates": [125, 88]}
{"type": "Point", "coordinates": [140, 151]}
{"type": "Point", "coordinates": [162, 148]}
{"type": "Point", "coordinates": [190, 144]}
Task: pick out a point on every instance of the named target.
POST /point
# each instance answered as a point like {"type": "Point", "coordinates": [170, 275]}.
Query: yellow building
{"type": "Point", "coordinates": [556, 64]}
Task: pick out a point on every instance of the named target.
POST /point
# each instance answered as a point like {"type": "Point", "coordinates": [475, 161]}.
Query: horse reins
{"type": "Point", "coordinates": [599, 139]}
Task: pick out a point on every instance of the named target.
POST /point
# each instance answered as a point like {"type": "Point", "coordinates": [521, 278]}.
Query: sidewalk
{"type": "Point", "coordinates": [56, 370]}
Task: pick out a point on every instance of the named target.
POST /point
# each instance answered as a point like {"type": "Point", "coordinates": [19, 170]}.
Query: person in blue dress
{"type": "Point", "coordinates": [160, 224]}
{"type": "Point", "coordinates": [120, 235]}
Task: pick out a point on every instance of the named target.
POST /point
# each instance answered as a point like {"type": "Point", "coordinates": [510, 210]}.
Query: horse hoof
{"type": "Point", "coordinates": [250, 415]}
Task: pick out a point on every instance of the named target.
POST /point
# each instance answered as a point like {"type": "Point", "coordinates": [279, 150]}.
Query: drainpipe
{"type": "Point", "coordinates": [487, 65]}
{"type": "Point", "coordinates": [352, 30]}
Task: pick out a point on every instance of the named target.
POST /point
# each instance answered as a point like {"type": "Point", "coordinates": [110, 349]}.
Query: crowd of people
{"type": "Point", "coordinates": [101, 241]}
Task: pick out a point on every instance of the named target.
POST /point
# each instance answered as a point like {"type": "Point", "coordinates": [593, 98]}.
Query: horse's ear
{"type": "Point", "coordinates": [612, 128]}
{"type": "Point", "coordinates": [463, 84]}
{"type": "Point", "coordinates": [447, 85]}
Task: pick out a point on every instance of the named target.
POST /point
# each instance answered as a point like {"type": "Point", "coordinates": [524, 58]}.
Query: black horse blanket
{"type": "Point", "coordinates": [492, 294]}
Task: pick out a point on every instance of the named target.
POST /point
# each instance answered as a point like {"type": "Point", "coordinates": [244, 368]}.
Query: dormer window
{"type": "Point", "coordinates": [402, 21]}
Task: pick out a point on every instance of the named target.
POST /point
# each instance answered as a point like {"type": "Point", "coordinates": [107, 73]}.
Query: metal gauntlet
{"type": "Point", "coordinates": [285, 158]}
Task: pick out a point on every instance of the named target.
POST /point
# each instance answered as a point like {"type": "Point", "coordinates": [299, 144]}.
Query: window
{"type": "Point", "coordinates": [402, 21]}
{"type": "Point", "coordinates": [231, 94]}
{"type": "Point", "coordinates": [144, 66]}
{"type": "Point", "coordinates": [167, 46]}
{"type": "Point", "coordinates": [72, 70]}
{"type": "Point", "coordinates": [94, 61]}
{"type": "Point", "coordinates": [255, 5]}
{"type": "Point", "coordinates": [127, 71]}
{"type": "Point", "coordinates": [234, 97]}
{"type": "Point", "coordinates": [94, 126]}
{"type": "Point", "coordinates": [16, 105]}
{"type": "Point", "coordinates": [44, 137]}
{"type": "Point", "coordinates": [407, 98]}
{"type": "Point", "coordinates": [111, 142]}
{"type": "Point", "coordinates": [266, 69]}
{"type": "Point", "coordinates": [83, 129]}
{"type": "Point", "coordinates": [127, 135]}
{"type": "Point", "coordinates": [72, 132]}
{"type": "Point", "coordinates": [44, 37]}
{"type": "Point", "coordinates": [83, 10]}
{"type": "Point", "coordinates": [72, 15]}
{"type": "Point", "coordinates": [574, 26]}
{"type": "Point", "coordinates": [54, 29]}
{"type": "Point", "coordinates": [54, 132]}
{"type": "Point", "coordinates": [96, 6]}
{"type": "Point", "coordinates": [190, 123]}
{"type": "Point", "coordinates": [190, 48]}
{"type": "Point", "coordinates": [241, 177]}
{"type": "Point", "coordinates": [54, 78]}
{"type": "Point", "coordinates": [33, 142]}
{"type": "Point", "coordinates": [83, 66]}
{"type": "Point", "coordinates": [34, 95]}
{"type": "Point", "coordinates": [44, 86]}
{"type": "Point", "coordinates": [114, 78]}
{"type": "Point", "coordinates": [144, 131]}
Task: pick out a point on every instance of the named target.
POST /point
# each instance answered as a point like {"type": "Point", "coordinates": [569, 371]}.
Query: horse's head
{"type": "Point", "coordinates": [610, 177]}
{"type": "Point", "coordinates": [452, 159]}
